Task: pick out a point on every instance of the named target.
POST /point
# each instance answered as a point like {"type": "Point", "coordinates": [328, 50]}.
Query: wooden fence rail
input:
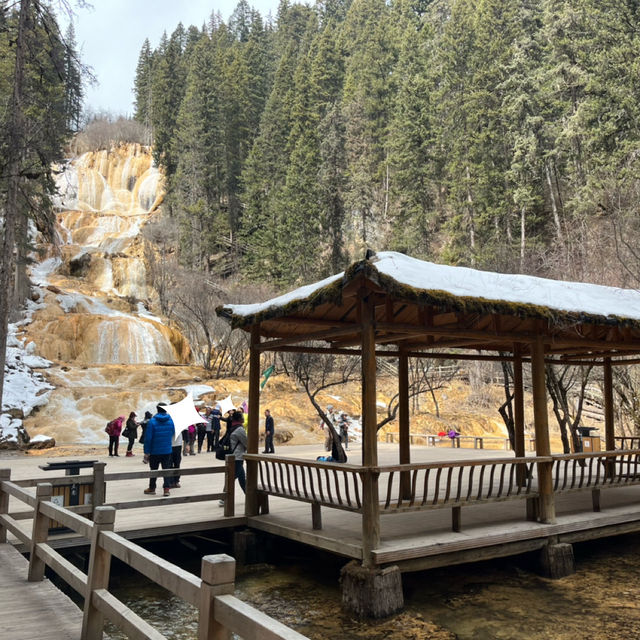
{"type": "Point", "coordinates": [98, 482]}
{"type": "Point", "coordinates": [220, 614]}
{"type": "Point", "coordinates": [478, 442]}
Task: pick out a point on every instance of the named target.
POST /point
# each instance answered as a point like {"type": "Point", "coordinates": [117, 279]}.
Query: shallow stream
{"type": "Point", "coordinates": [495, 600]}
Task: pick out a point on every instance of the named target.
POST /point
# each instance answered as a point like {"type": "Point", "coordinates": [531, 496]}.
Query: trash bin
{"type": "Point", "coordinates": [590, 439]}
{"type": "Point", "coordinates": [74, 493]}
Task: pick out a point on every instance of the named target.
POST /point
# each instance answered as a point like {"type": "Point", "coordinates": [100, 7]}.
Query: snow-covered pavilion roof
{"type": "Point", "coordinates": [445, 304]}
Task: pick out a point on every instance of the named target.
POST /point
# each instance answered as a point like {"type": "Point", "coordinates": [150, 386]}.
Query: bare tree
{"type": "Point", "coordinates": [319, 372]}
{"type": "Point", "coordinates": [426, 375]}
{"type": "Point", "coordinates": [626, 384]}
{"type": "Point", "coordinates": [506, 409]}
{"type": "Point", "coordinates": [567, 386]}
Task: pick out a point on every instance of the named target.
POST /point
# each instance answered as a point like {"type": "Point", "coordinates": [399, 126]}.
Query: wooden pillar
{"type": "Point", "coordinates": [404, 426]}
{"type": "Point", "coordinates": [230, 486]}
{"type": "Point", "coordinates": [518, 415]}
{"type": "Point", "coordinates": [251, 500]}
{"type": "Point", "coordinates": [370, 504]}
{"type": "Point", "coordinates": [39, 532]}
{"type": "Point", "coordinates": [609, 427]}
{"type": "Point", "coordinates": [218, 575]}
{"type": "Point", "coordinates": [546, 510]}
{"type": "Point", "coordinates": [98, 490]}
{"type": "Point", "coordinates": [5, 476]}
{"type": "Point", "coordinates": [98, 574]}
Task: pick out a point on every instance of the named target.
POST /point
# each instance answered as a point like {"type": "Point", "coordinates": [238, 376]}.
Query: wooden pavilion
{"type": "Point", "coordinates": [390, 305]}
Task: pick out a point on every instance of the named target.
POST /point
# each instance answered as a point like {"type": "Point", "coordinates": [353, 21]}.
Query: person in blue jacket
{"type": "Point", "coordinates": [158, 438]}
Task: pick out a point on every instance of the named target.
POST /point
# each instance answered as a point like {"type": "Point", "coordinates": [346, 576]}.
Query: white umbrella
{"type": "Point", "coordinates": [226, 405]}
{"type": "Point", "coordinates": [184, 413]}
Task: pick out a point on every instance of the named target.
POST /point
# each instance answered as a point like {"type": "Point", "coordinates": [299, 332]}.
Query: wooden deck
{"type": "Point", "coordinates": [414, 541]}
{"type": "Point", "coordinates": [33, 610]}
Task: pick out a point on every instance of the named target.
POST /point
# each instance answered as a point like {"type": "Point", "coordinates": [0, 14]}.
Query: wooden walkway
{"type": "Point", "coordinates": [33, 610]}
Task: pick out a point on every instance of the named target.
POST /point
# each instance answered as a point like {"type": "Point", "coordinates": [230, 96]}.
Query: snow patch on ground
{"type": "Point", "coordinates": [196, 390]}
{"type": "Point", "coordinates": [25, 388]}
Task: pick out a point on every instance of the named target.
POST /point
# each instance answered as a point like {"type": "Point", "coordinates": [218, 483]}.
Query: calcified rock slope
{"type": "Point", "coordinates": [97, 323]}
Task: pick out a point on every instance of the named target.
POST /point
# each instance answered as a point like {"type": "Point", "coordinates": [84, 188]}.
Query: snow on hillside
{"type": "Point", "coordinates": [24, 386]}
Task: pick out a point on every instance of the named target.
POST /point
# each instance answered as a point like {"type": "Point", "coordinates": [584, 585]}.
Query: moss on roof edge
{"type": "Point", "coordinates": [438, 298]}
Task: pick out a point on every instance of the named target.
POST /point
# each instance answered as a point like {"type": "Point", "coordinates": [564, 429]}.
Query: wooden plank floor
{"type": "Point", "coordinates": [33, 610]}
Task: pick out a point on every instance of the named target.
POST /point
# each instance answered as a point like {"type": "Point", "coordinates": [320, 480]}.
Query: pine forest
{"type": "Point", "coordinates": [498, 134]}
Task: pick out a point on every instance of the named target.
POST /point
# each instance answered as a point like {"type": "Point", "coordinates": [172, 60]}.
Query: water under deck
{"type": "Point", "coordinates": [414, 541]}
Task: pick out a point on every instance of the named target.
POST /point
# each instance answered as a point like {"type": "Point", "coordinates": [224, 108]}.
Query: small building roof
{"type": "Point", "coordinates": [422, 305]}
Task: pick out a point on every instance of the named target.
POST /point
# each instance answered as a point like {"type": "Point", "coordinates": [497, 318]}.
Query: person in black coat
{"type": "Point", "coordinates": [269, 430]}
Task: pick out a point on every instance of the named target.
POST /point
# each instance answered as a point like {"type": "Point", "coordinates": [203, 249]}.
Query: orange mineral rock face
{"type": "Point", "coordinates": [97, 306]}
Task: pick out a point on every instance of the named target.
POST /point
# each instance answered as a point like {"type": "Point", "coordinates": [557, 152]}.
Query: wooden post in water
{"type": "Point", "coordinates": [5, 476]}
{"type": "Point", "coordinates": [39, 533]}
{"type": "Point", "coordinates": [98, 574]}
{"type": "Point", "coordinates": [251, 501]}
{"type": "Point", "coordinates": [546, 504]}
{"type": "Point", "coordinates": [404, 428]}
{"type": "Point", "coordinates": [218, 573]}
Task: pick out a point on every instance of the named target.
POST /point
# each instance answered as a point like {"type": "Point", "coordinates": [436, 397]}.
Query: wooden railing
{"type": "Point", "coordinates": [627, 442]}
{"type": "Point", "coordinates": [219, 612]}
{"type": "Point", "coordinates": [478, 442]}
{"type": "Point", "coordinates": [425, 486]}
{"type": "Point", "coordinates": [99, 480]}
{"type": "Point", "coordinates": [453, 484]}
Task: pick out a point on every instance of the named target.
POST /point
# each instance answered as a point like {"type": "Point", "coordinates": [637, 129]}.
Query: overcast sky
{"type": "Point", "coordinates": [110, 35]}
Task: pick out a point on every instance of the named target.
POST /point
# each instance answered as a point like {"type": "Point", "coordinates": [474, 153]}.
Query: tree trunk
{"type": "Point", "coordinates": [14, 166]}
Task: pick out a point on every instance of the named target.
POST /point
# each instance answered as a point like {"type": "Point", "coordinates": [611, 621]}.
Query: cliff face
{"type": "Point", "coordinates": [95, 311]}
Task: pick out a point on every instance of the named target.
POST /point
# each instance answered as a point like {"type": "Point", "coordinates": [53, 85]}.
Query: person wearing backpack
{"type": "Point", "coordinates": [114, 429]}
{"type": "Point", "coordinates": [158, 441]}
{"type": "Point", "coordinates": [237, 447]}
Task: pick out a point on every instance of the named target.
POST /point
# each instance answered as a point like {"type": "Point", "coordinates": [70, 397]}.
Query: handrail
{"type": "Point", "coordinates": [211, 593]}
{"type": "Point", "coordinates": [432, 439]}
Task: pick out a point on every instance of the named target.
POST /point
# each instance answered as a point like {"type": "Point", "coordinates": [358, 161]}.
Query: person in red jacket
{"type": "Point", "coordinates": [114, 428]}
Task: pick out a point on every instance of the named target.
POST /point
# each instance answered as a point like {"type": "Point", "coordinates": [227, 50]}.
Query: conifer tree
{"type": "Point", "coordinates": [143, 103]}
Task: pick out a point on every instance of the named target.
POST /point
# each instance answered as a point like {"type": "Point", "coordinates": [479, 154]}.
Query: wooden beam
{"type": "Point", "coordinates": [546, 509]}
{"type": "Point", "coordinates": [277, 343]}
{"type": "Point", "coordinates": [251, 500]}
